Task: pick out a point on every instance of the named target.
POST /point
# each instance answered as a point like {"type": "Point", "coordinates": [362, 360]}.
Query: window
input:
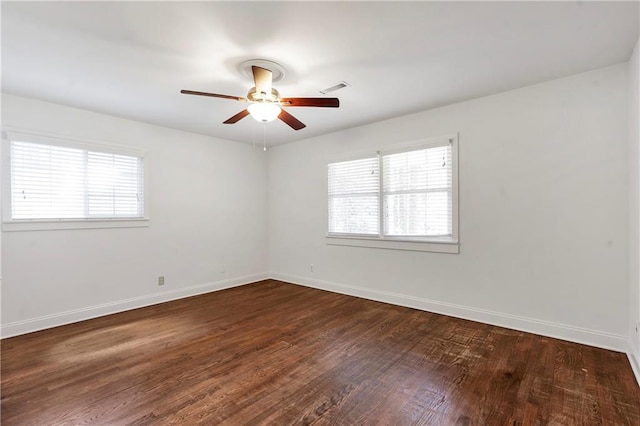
{"type": "Point", "coordinates": [61, 181]}
{"type": "Point", "coordinates": [403, 195]}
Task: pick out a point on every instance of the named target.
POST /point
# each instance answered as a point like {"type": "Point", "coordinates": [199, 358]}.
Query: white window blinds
{"type": "Point", "coordinates": [354, 192]}
{"type": "Point", "coordinates": [417, 192]}
{"type": "Point", "coordinates": [412, 188]}
{"type": "Point", "coordinates": [59, 182]}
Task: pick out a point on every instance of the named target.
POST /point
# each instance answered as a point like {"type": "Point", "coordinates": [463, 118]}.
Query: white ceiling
{"type": "Point", "coordinates": [130, 59]}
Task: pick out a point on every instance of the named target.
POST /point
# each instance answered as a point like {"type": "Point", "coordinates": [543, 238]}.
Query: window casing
{"type": "Point", "coordinates": [407, 194]}
{"type": "Point", "coordinates": [59, 183]}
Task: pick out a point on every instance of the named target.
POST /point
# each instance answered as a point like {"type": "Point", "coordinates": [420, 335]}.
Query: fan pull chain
{"type": "Point", "coordinates": [264, 137]}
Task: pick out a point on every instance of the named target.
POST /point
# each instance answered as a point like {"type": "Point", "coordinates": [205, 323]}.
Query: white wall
{"type": "Point", "coordinates": [634, 209]}
{"type": "Point", "coordinates": [207, 204]}
{"type": "Point", "coordinates": [543, 207]}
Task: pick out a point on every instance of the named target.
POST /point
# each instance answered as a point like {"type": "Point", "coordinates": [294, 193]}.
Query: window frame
{"type": "Point", "coordinates": [19, 135]}
{"type": "Point", "coordinates": [411, 243]}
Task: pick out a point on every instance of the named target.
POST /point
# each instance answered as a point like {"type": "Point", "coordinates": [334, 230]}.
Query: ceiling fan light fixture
{"type": "Point", "coordinates": [264, 112]}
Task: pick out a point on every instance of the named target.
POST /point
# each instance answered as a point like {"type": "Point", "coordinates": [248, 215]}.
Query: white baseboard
{"type": "Point", "coordinates": [48, 321]}
{"type": "Point", "coordinates": [634, 361]}
{"type": "Point", "coordinates": [531, 325]}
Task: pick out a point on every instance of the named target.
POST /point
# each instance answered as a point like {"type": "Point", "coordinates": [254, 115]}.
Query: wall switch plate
{"type": "Point", "coordinates": [160, 280]}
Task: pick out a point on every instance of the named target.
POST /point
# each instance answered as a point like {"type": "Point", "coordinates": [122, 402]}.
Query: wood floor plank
{"type": "Point", "coordinates": [276, 353]}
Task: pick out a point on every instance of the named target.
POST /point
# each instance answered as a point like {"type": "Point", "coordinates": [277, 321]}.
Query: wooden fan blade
{"type": "Point", "coordinates": [239, 116]}
{"type": "Point", "coordinates": [311, 102]}
{"type": "Point", "coordinates": [263, 79]}
{"type": "Point", "coordinates": [293, 122]}
{"type": "Point", "coordinates": [213, 95]}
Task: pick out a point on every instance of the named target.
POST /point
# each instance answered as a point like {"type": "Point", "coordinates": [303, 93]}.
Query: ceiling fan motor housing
{"type": "Point", "coordinates": [254, 96]}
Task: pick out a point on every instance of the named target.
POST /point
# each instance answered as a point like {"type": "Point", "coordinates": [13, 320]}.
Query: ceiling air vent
{"type": "Point", "coordinates": [335, 87]}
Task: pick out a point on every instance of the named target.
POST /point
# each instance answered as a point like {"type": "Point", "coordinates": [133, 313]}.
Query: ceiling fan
{"type": "Point", "coordinates": [265, 103]}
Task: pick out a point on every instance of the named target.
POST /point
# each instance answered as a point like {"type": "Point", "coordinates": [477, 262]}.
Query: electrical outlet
{"type": "Point", "coordinates": [160, 280]}
{"type": "Point", "coordinates": [311, 268]}
{"type": "Point", "coordinates": [223, 269]}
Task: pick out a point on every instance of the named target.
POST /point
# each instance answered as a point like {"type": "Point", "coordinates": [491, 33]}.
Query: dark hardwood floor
{"type": "Point", "coordinates": [275, 353]}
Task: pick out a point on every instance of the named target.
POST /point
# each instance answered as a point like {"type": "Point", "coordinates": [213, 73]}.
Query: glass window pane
{"type": "Point", "coordinates": [353, 197]}
{"type": "Point", "coordinates": [417, 188]}
{"type": "Point", "coordinates": [354, 215]}
{"type": "Point", "coordinates": [420, 214]}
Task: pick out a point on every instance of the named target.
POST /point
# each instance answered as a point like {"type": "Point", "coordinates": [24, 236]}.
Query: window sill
{"type": "Point", "coordinates": [61, 224]}
{"type": "Point", "coordinates": [452, 247]}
